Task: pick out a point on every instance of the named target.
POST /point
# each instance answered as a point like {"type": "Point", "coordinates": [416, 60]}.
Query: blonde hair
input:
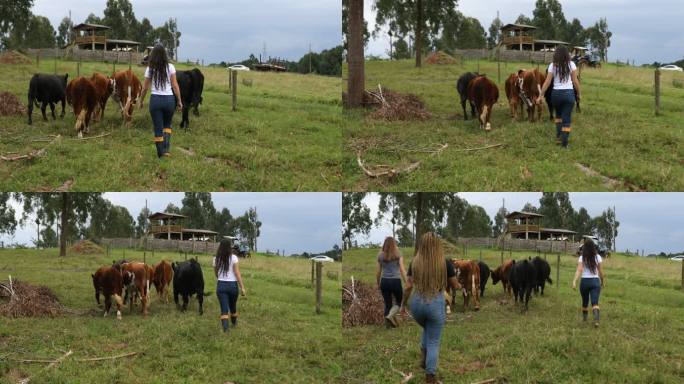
{"type": "Point", "coordinates": [429, 266]}
{"type": "Point", "coordinates": [390, 251]}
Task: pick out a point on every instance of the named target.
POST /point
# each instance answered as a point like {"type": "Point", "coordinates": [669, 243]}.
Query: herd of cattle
{"type": "Point", "coordinates": [522, 90]}
{"type": "Point", "coordinates": [126, 281]}
{"type": "Point", "coordinates": [88, 96]}
{"type": "Point", "coordinates": [520, 277]}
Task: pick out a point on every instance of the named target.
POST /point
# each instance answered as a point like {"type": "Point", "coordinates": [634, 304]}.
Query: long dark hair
{"type": "Point", "coordinates": [589, 255]}
{"type": "Point", "coordinates": [223, 256]}
{"type": "Point", "coordinates": [561, 63]}
{"type": "Point", "coordinates": [159, 64]}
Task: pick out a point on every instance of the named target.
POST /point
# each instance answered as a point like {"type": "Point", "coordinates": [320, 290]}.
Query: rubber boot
{"type": "Point", "coordinates": [430, 378]}
{"type": "Point", "coordinates": [585, 314]}
{"type": "Point", "coordinates": [558, 131]}
{"type": "Point", "coordinates": [595, 311]}
{"type": "Point", "coordinates": [224, 322]}
{"type": "Point", "coordinates": [233, 319]}
{"type": "Point", "coordinates": [167, 141]}
{"type": "Point", "coordinates": [160, 148]}
{"type": "Point", "coordinates": [423, 357]}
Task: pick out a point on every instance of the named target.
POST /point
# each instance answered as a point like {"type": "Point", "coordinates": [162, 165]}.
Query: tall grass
{"type": "Point", "coordinates": [639, 339]}
{"type": "Point", "coordinates": [279, 337]}
{"type": "Point", "coordinates": [617, 135]}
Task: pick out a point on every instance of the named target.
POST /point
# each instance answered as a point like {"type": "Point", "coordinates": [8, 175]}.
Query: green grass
{"type": "Point", "coordinates": [285, 135]}
{"type": "Point", "coordinates": [279, 337]}
{"type": "Point", "coordinates": [639, 340]}
{"type": "Point", "coordinates": [617, 135]}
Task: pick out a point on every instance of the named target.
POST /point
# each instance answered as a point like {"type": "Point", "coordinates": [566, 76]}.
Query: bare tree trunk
{"type": "Point", "coordinates": [419, 35]}
{"type": "Point", "coordinates": [63, 223]}
{"type": "Point", "coordinates": [356, 77]}
{"type": "Point", "coordinates": [419, 219]}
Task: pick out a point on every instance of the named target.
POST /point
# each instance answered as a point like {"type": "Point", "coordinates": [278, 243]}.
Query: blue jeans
{"type": "Point", "coordinates": [590, 287]}
{"type": "Point", "coordinates": [563, 101]}
{"type": "Point", "coordinates": [227, 293]}
{"type": "Point", "coordinates": [161, 111]}
{"type": "Point", "coordinates": [430, 314]}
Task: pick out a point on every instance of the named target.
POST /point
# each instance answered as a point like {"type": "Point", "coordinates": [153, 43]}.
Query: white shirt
{"type": "Point", "coordinates": [557, 83]}
{"type": "Point", "coordinates": [586, 273]}
{"type": "Point", "coordinates": [166, 90]}
{"type": "Point", "coordinates": [230, 274]}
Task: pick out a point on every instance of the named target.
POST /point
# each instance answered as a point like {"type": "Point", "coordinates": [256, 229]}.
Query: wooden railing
{"type": "Point", "coordinates": [517, 40]}
{"type": "Point", "coordinates": [523, 228]}
{"type": "Point", "coordinates": [80, 40]}
{"type": "Point", "coordinates": [165, 229]}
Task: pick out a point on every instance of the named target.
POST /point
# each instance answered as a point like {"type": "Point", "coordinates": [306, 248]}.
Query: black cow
{"type": "Point", "coordinates": [547, 97]}
{"type": "Point", "coordinates": [462, 86]}
{"type": "Point", "coordinates": [46, 89]}
{"type": "Point", "coordinates": [191, 84]}
{"type": "Point", "coordinates": [523, 280]}
{"type": "Point", "coordinates": [484, 276]}
{"type": "Point", "coordinates": [543, 271]}
{"type": "Point", "coordinates": [188, 280]}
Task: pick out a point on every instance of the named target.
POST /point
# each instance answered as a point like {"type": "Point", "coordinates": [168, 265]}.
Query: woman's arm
{"type": "Point", "coordinates": [576, 83]}
{"type": "Point", "coordinates": [578, 272]}
{"type": "Point", "coordinates": [547, 84]}
{"type": "Point", "coordinates": [238, 276]}
{"type": "Point", "coordinates": [407, 293]}
{"type": "Point", "coordinates": [601, 275]}
{"type": "Point", "coordinates": [146, 86]}
{"type": "Point", "coordinates": [378, 272]}
{"type": "Point", "coordinates": [176, 91]}
{"type": "Point", "coordinates": [402, 270]}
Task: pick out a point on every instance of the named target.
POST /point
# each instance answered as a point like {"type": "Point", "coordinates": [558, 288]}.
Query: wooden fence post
{"type": "Point", "coordinates": [312, 272]}
{"type": "Point", "coordinates": [130, 59]}
{"type": "Point", "coordinates": [498, 64]}
{"type": "Point", "coordinates": [234, 89]}
{"type": "Point", "coordinates": [38, 59]}
{"type": "Point", "coordinates": [319, 285]}
{"type": "Point", "coordinates": [480, 255]}
{"type": "Point", "coordinates": [657, 91]}
{"type": "Point", "coordinates": [230, 81]}
{"type": "Point", "coordinates": [558, 271]}
{"type": "Point", "coordinates": [682, 275]}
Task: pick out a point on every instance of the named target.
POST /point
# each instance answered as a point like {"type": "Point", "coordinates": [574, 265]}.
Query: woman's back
{"type": "Point", "coordinates": [390, 269]}
{"type": "Point", "coordinates": [165, 87]}
{"type": "Point", "coordinates": [559, 83]}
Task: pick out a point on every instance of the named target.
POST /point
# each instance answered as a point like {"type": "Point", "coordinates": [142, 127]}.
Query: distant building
{"type": "Point", "coordinates": [169, 226]}
{"type": "Point", "coordinates": [94, 37]}
{"type": "Point", "coordinates": [526, 225]}
{"type": "Point", "coordinates": [520, 37]}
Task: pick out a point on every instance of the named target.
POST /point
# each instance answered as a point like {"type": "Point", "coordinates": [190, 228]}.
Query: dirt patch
{"type": "Point", "coordinates": [361, 305]}
{"type": "Point", "coordinates": [15, 375]}
{"type": "Point", "coordinates": [473, 366]}
{"type": "Point", "coordinates": [21, 299]}
{"type": "Point", "coordinates": [440, 58]}
{"type": "Point", "coordinates": [394, 106]}
{"type": "Point", "coordinates": [10, 105]}
{"type": "Point", "coordinates": [14, 57]}
{"type": "Point", "coordinates": [86, 247]}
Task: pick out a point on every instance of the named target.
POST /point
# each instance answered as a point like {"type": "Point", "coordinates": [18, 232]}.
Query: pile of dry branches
{"type": "Point", "coordinates": [10, 105]}
{"type": "Point", "coordinates": [440, 57]}
{"type": "Point", "coordinates": [394, 106]}
{"type": "Point", "coordinates": [20, 299]}
{"type": "Point", "coordinates": [361, 304]}
{"type": "Point", "coordinates": [13, 57]}
{"type": "Point", "coordinates": [86, 247]}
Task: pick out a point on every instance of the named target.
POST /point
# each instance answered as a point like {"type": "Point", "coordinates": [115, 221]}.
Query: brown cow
{"type": "Point", "coordinates": [468, 273]}
{"type": "Point", "coordinates": [483, 94]}
{"type": "Point", "coordinates": [104, 88]}
{"type": "Point", "coordinates": [137, 280]}
{"type": "Point", "coordinates": [109, 281]}
{"type": "Point", "coordinates": [530, 91]}
{"type": "Point", "coordinates": [126, 91]}
{"type": "Point", "coordinates": [82, 96]}
{"type": "Point", "coordinates": [513, 94]}
{"type": "Point", "coordinates": [503, 273]}
{"type": "Point", "coordinates": [163, 275]}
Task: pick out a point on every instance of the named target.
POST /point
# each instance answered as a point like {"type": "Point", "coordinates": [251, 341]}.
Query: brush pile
{"type": "Point", "coordinates": [394, 106]}
{"type": "Point", "coordinates": [440, 58]}
{"type": "Point", "coordinates": [10, 105]}
{"type": "Point", "coordinates": [13, 57]}
{"type": "Point", "coordinates": [21, 299]}
{"type": "Point", "coordinates": [86, 247]}
{"type": "Point", "coordinates": [361, 304]}
{"type": "Point", "coordinates": [450, 249]}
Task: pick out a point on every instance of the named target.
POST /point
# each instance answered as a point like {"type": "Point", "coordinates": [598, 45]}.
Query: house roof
{"type": "Point", "coordinates": [129, 42]}
{"type": "Point", "coordinates": [89, 26]}
{"type": "Point", "coordinates": [199, 231]}
{"type": "Point", "coordinates": [558, 230]}
{"type": "Point", "coordinates": [518, 26]}
{"type": "Point", "coordinates": [557, 42]}
{"type": "Point", "coordinates": [519, 214]}
{"type": "Point", "coordinates": [164, 215]}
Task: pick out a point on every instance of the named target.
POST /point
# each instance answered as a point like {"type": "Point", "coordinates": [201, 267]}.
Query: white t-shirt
{"type": "Point", "coordinates": [166, 90]}
{"type": "Point", "coordinates": [230, 274]}
{"type": "Point", "coordinates": [557, 83]}
{"type": "Point", "coordinates": [586, 272]}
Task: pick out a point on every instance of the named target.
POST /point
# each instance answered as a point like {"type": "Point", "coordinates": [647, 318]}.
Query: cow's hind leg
{"type": "Point", "coordinates": [52, 109]}
{"type": "Point", "coordinates": [43, 106]}
{"type": "Point", "coordinates": [61, 115]}
{"type": "Point", "coordinates": [30, 110]}
{"type": "Point", "coordinates": [465, 112]}
{"type": "Point", "coordinates": [185, 302]}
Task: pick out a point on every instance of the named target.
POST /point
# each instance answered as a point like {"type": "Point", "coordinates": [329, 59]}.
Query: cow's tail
{"type": "Point", "coordinates": [128, 103]}
{"type": "Point", "coordinates": [483, 115]}
{"type": "Point", "coordinates": [80, 121]}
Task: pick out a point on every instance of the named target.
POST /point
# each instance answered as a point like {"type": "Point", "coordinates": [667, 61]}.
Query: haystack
{"type": "Point", "coordinates": [86, 247]}
{"type": "Point", "coordinates": [10, 105]}
{"type": "Point", "coordinates": [13, 57]}
{"type": "Point", "coordinates": [361, 305]}
{"type": "Point", "coordinates": [450, 249]}
{"type": "Point", "coordinates": [21, 299]}
{"type": "Point", "coordinates": [440, 58]}
{"type": "Point", "coordinates": [394, 106]}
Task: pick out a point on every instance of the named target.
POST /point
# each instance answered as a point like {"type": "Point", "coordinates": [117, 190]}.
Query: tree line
{"type": "Point", "coordinates": [20, 28]}
{"type": "Point", "coordinates": [413, 213]}
{"type": "Point", "coordinates": [61, 217]}
{"type": "Point", "coordinates": [327, 62]}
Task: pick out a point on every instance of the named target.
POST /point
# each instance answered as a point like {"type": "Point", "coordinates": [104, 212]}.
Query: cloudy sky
{"type": "Point", "coordinates": [220, 30]}
{"type": "Point", "coordinates": [295, 222]}
{"type": "Point", "coordinates": [650, 221]}
{"type": "Point", "coordinates": [645, 31]}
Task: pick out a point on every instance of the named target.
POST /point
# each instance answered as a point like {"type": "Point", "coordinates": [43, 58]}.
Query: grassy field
{"type": "Point", "coordinates": [279, 338]}
{"type": "Point", "coordinates": [639, 340]}
{"type": "Point", "coordinates": [617, 135]}
{"type": "Point", "coordinates": [285, 135]}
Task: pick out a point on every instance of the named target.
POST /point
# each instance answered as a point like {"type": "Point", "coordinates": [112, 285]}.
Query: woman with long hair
{"type": "Point", "coordinates": [429, 273]}
{"type": "Point", "coordinates": [389, 275]}
{"type": "Point", "coordinates": [589, 267]}
{"type": "Point", "coordinates": [160, 77]}
{"type": "Point", "coordinates": [227, 272]}
{"type": "Point", "coordinates": [566, 91]}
